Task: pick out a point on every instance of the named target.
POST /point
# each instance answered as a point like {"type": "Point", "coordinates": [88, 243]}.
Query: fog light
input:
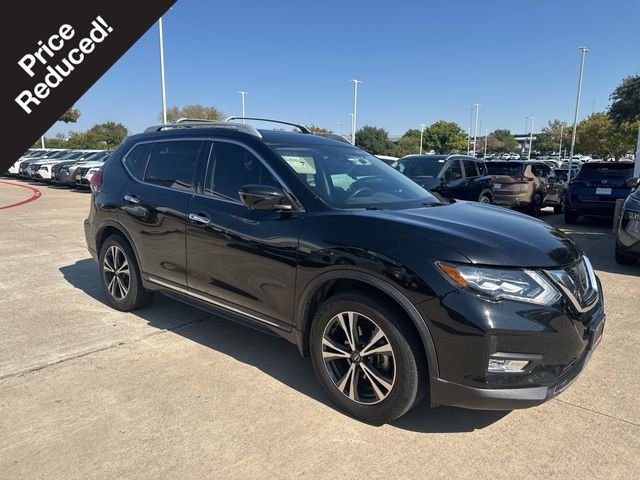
{"type": "Point", "coordinates": [507, 366]}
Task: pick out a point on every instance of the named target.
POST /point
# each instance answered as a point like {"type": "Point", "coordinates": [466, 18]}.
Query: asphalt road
{"type": "Point", "coordinates": [173, 392]}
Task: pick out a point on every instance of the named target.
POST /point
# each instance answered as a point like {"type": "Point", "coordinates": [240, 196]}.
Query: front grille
{"type": "Point", "coordinates": [578, 283]}
{"type": "Point", "coordinates": [81, 171]}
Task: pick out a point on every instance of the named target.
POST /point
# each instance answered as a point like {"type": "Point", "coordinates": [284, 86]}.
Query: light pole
{"type": "Point", "coordinates": [468, 141]}
{"type": "Point", "coordinates": [242, 94]}
{"type": "Point", "coordinates": [560, 149]}
{"type": "Point", "coordinates": [486, 140]}
{"type": "Point", "coordinates": [583, 52]}
{"type": "Point", "coordinates": [351, 115]}
{"type": "Point", "coordinates": [355, 110]}
{"type": "Point", "coordinates": [475, 129]}
{"type": "Point", "coordinates": [421, 135]}
{"type": "Point", "coordinates": [164, 93]}
{"type": "Point", "coordinates": [533, 119]}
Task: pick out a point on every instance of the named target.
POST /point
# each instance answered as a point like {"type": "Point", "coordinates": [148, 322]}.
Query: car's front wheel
{"type": "Point", "coordinates": [367, 358]}
{"type": "Point", "coordinates": [120, 276]}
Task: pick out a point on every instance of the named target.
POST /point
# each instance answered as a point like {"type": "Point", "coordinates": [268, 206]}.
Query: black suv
{"type": "Point", "coordinates": [450, 176]}
{"type": "Point", "coordinates": [393, 293]}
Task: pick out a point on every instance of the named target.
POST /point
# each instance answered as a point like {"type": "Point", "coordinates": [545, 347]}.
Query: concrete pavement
{"type": "Point", "coordinates": [171, 391]}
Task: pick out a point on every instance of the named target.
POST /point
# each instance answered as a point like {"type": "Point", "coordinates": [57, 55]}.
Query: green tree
{"type": "Point", "coordinates": [598, 135]}
{"type": "Point", "coordinates": [625, 101]}
{"type": "Point", "coordinates": [316, 129]}
{"type": "Point", "coordinates": [374, 140]}
{"type": "Point", "coordinates": [444, 137]}
{"type": "Point", "coordinates": [192, 111]}
{"type": "Point", "coordinates": [548, 140]}
{"type": "Point", "coordinates": [502, 140]}
{"type": "Point", "coordinates": [408, 144]}
{"type": "Point", "coordinates": [70, 116]}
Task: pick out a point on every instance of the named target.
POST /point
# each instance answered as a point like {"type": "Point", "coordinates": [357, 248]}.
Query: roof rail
{"type": "Point", "coordinates": [203, 123]}
{"type": "Point", "coordinates": [302, 128]}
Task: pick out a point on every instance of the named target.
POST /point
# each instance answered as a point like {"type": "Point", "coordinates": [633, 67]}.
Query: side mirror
{"type": "Point", "coordinates": [632, 183]}
{"type": "Point", "coordinates": [264, 197]}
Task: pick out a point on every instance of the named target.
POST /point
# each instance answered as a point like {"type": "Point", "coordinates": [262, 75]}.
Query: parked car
{"type": "Point", "coordinates": [528, 185]}
{"type": "Point", "coordinates": [41, 169]}
{"type": "Point", "coordinates": [628, 233]}
{"type": "Point", "coordinates": [84, 172]}
{"type": "Point", "coordinates": [26, 169]}
{"type": "Point", "coordinates": [450, 176]}
{"type": "Point", "coordinates": [391, 292]}
{"type": "Point", "coordinates": [63, 172]}
{"type": "Point", "coordinates": [387, 159]}
{"type": "Point", "coordinates": [14, 169]}
{"type": "Point", "coordinates": [594, 191]}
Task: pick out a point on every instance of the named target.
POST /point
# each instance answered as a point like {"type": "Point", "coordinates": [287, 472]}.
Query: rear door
{"type": "Point", "coordinates": [240, 259]}
{"type": "Point", "coordinates": [473, 183]}
{"type": "Point", "coordinates": [155, 204]}
{"type": "Point", "coordinates": [454, 184]}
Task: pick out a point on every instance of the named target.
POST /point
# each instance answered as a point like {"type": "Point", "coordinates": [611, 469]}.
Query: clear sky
{"type": "Point", "coordinates": [420, 61]}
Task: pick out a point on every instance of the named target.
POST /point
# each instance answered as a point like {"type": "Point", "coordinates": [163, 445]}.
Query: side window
{"type": "Point", "coordinates": [539, 170]}
{"type": "Point", "coordinates": [233, 167]}
{"type": "Point", "coordinates": [136, 160]}
{"type": "Point", "coordinates": [172, 164]}
{"type": "Point", "coordinates": [453, 171]}
{"type": "Point", "coordinates": [482, 168]}
{"type": "Point", "coordinates": [470, 168]}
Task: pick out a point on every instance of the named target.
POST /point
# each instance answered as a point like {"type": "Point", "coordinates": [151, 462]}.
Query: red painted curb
{"type": "Point", "coordinates": [36, 195]}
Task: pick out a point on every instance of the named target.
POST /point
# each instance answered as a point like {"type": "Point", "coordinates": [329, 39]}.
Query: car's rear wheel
{"type": "Point", "coordinates": [485, 197]}
{"type": "Point", "coordinates": [120, 276]}
{"type": "Point", "coordinates": [622, 258]}
{"type": "Point", "coordinates": [570, 217]}
{"type": "Point", "coordinates": [366, 357]}
{"type": "Point", "coordinates": [536, 205]}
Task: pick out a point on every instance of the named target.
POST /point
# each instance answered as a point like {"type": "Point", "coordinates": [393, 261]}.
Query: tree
{"type": "Point", "coordinates": [373, 140]}
{"type": "Point", "coordinates": [625, 106]}
{"type": "Point", "coordinates": [192, 111]}
{"type": "Point", "coordinates": [444, 137]}
{"type": "Point", "coordinates": [409, 143]}
{"type": "Point", "coordinates": [502, 140]}
{"type": "Point", "coordinates": [548, 140]}
{"type": "Point", "coordinates": [599, 135]}
{"type": "Point", "coordinates": [316, 129]}
{"type": "Point", "coordinates": [70, 116]}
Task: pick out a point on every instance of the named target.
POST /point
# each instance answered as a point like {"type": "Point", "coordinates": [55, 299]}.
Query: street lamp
{"type": "Point", "coordinates": [242, 94]}
{"type": "Point", "coordinates": [421, 135]}
{"type": "Point", "coordinates": [164, 94]}
{"type": "Point", "coordinates": [533, 119]}
{"type": "Point", "coordinates": [486, 140]}
{"type": "Point", "coordinates": [583, 52]}
{"type": "Point", "coordinates": [475, 130]}
{"type": "Point", "coordinates": [560, 149]}
{"type": "Point", "coordinates": [355, 110]}
{"type": "Point", "coordinates": [468, 141]}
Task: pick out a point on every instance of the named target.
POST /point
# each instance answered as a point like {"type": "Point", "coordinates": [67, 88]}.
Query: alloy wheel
{"type": "Point", "coordinates": [115, 268]}
{"type": "Point", "coordinates": [358, 358]}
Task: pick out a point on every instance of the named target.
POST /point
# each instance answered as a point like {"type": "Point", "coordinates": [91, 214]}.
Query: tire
{"type": "Point", "coordinates": [536, 206]}
{"type": "Point", "coordinates": [400, 360]}
{"type": "Point", "coordinates": [570, 218]}
{"type": "Point", "coordinates": [622, 258]}
{"type": "Point", "coordinates": [485, 197]}
{"type": "Point", "coordinates": [558, 208]}
{"type": "Point", "coordinates": [124, 292]}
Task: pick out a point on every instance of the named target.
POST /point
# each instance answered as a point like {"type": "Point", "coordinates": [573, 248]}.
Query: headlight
{"type": "Point", "coordinates": [524, 285]}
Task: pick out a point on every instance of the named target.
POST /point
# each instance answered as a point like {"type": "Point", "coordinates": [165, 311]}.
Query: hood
{"type": "Point", "coordinates": [485, 234]}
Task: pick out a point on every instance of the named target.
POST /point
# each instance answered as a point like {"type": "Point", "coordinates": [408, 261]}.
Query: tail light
{"type": "Point", "coordinates": [522, 178]}
{"type": "Point", "coordinates": [96, 181]}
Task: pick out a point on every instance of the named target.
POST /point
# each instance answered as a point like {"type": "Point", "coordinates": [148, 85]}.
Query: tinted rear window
{"type": "Point", "coordinates": [591, 171]}
{"type": "Point", "coordinates": [172, 164]}
{"type": "Point", "coordinates": [505, 168]}
{"type": "Point", "coordinates": [420, 167]}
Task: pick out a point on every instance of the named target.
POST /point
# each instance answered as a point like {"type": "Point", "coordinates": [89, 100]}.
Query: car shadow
{"type": "Point", "coordinates": [270, 354]}
{"type": "Point", "coordinates": [595, 236]}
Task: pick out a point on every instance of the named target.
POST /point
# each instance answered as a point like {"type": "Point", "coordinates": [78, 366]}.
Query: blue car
{"type": "Point", "coordinates": [594, 191]}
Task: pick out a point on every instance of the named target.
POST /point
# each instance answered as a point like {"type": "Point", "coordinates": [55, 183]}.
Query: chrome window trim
{"type": "Point", "coordinates": [205, 299]}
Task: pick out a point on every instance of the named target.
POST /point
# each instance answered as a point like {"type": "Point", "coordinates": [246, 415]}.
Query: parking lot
{"type": "Point", "coordinates": [171, 391]}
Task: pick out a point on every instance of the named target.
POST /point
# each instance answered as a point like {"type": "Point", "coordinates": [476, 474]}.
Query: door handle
{"type": "Point", "coordinates": [201, 219]}
{"type": "Point", "coordinates": [131, 199]}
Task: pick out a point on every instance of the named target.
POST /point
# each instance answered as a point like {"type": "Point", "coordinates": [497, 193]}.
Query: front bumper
{"type": "Point", "coordinates": [457, 395]}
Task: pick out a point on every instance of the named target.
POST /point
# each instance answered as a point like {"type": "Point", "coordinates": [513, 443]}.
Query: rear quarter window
{"type": "Point", "coordinates": [136, 159]}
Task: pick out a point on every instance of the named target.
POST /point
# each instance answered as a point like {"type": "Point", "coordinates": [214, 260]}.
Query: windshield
{"type": "Point", "coordinates": [420, 166]}
{"type": "Point", "coordinates": [505, 168]}
{"type": "Point", "coordinates": [96, 156]}
{"type": "Point", "coordinates": [347, 177]}
{"type": "Point", "coordinates": [37, 154]}
{"type": "Point", "coordinates": [592, 171]}
{"type": "Point", "coordinates": [73, 155]}
{"type": "Point", "coordinates": [58, 154]}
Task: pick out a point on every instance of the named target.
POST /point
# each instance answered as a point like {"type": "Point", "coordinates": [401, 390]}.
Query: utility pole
{"type": "Point", "coordinates": [475, 130]}
{"type": "Point", "coordinates": [583, 52]}
{"type": "Point", "coordinates": [421, 135]}
{"type": "Point", "coordinates": [355, 110]}
{"type": "Point", "coordinates": [164, 93]}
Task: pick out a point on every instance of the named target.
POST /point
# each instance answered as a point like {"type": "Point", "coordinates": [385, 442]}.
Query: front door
{"type": "Point", "coordinates": [454, 184]}
{"type": "Point", "coordinates": [241, 259]}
